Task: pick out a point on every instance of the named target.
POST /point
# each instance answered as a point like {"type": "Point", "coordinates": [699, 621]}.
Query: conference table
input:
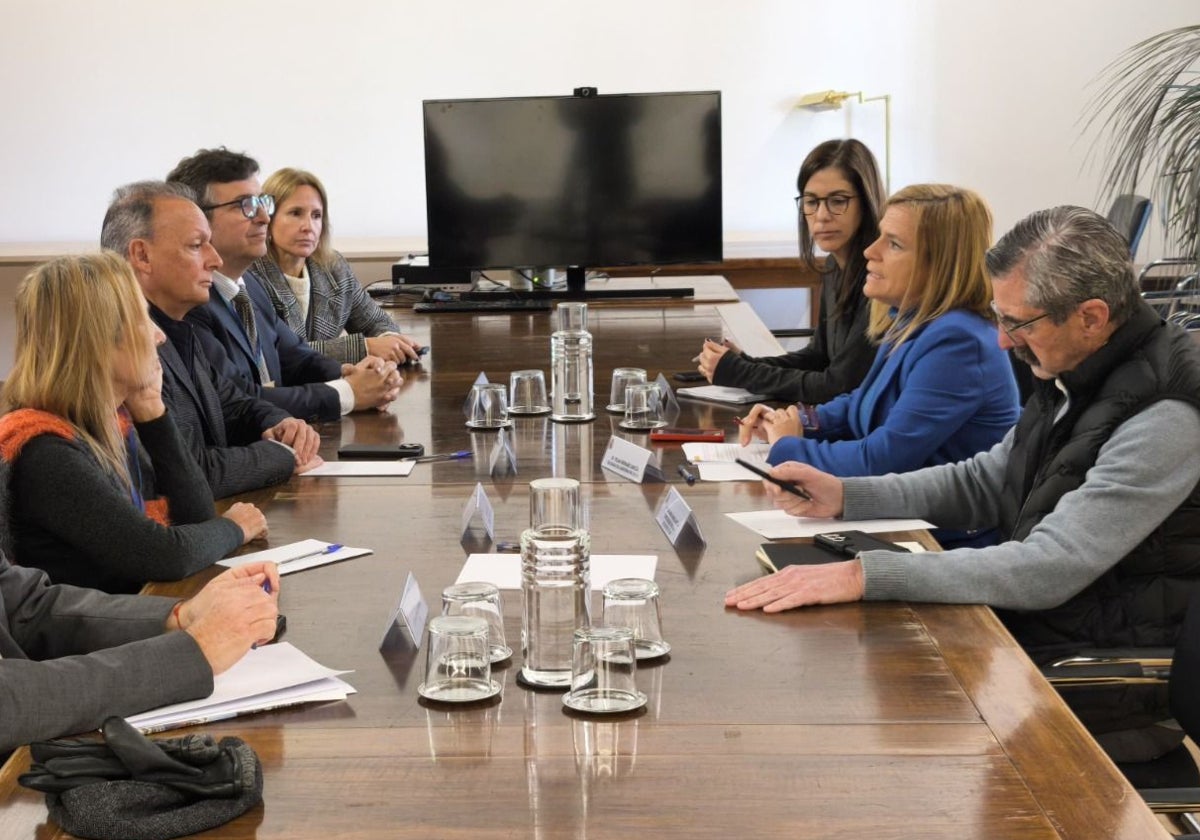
{"type": "Point", "coordinates": [881, 720]}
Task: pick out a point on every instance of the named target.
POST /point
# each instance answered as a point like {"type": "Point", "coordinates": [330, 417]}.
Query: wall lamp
{"type": "Point", "coordinates": [832, 100]}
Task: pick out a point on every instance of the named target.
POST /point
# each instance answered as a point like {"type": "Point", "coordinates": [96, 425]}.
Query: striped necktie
{"type": "Point", "coordinates": [245, 311]}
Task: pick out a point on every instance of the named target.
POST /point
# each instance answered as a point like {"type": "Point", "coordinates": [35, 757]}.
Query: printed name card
{"type": "Point", "coordinates": [481, 504]}
{"type": "Point", "coordinates": [630, 461]}
{"type": "Point", "coordinates": [676, 517]}
{"type": "Point", "coordinates": [409, 615]}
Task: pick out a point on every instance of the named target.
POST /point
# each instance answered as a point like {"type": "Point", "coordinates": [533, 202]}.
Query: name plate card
{"type": "Point", "coordinates": [503, 458]}
{"type": "Point", "coordinates": [409, 615]}
{"type": "Point", "coordinates": [676, 517]}
{"type": "Point", "coordinates": [630, 461]}
{"type": "Point", "coordinates": [669, 403]}
{"type": "Point", "coordinates": [481, 504]}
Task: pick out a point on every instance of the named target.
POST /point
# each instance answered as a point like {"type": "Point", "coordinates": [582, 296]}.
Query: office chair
{"type": "Point", "coordinates": [1129, 215]}
{"type": "Point", "coordinates": [1174, 789]}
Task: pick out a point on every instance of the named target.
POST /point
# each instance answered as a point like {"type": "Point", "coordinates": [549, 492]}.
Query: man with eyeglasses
{"type": "Point", "coordinates": [239, 327]}
{"type": "Point", "coordinates": [1096, 490]}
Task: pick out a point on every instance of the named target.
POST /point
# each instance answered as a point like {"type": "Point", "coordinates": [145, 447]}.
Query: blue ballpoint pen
{"type": "Point", "coordinates": [329, 549]}
{"type": "Point", "coordinates": [444, 456]}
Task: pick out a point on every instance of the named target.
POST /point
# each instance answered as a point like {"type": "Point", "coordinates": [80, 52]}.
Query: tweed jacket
{"type": "Point", "coordinates": [341, 315]}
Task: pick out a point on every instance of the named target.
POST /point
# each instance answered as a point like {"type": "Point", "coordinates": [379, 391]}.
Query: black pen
{"type": "Point", "coordinates": [687, 474]}
{"type": "Point", "coordinates": [794, 489]}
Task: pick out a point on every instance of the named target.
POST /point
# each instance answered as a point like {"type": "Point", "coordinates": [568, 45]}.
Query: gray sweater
{"type": "Point", "coordinates": [1143, 472]}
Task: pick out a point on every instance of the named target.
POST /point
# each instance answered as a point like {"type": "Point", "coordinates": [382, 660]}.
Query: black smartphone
{"type": "Point", "coordinates": [849, 543]}
{"type": "Point", "coordinates": [380, 451]}
{"type": "Point", "coordinates": [689, 376]}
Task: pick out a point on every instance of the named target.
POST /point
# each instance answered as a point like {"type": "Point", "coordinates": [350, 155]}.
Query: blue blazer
{"type": "Point", "coordinates": [299, 372]}
{"type": "Point", "coordinates": [944, 395]}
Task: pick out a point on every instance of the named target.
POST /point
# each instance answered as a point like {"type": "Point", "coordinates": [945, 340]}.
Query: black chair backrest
{"type": "Point", "coordinates": [1184, 685]}
{"type": "Point", "coordinates": [1129, 215]}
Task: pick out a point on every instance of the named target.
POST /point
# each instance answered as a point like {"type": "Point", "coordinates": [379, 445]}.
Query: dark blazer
{"type": "Point", "coordinates": [221, 424]}
{"type": "Point", "coordinates": [73, 657]}
{"type": "Point", "coordinates": [298, 371]}
{"type": "Point", "coordinates": [834, 361]}
{"type": "Point", "coordinates": [337, 304]}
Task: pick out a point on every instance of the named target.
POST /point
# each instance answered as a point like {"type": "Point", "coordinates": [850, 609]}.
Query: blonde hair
{"type": "Point", "coordinates": [73, 315]}
{"type": "Point", "coordinates": [953, 233]}
{"type": "Point", "coordinates": [284, 182]}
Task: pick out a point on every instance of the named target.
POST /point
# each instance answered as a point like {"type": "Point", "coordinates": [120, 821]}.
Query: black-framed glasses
{"type": "Point", "coordinates": [836, 203]}
{"type": "Point", "coordinates": [249, 205]}
{"type": "Point", "coordinates": [1011, 329]}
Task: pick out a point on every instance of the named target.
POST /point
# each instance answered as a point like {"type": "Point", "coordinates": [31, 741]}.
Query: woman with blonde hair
{"type": "Point", "coordinates": [96, 486]}
{"type": "Point", "coordinates": [940, 389]}
{"type": "Point", "coordinates": [313, 287]}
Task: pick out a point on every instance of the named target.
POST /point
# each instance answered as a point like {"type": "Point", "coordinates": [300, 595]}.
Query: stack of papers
{"type": "Point", "coordinates": [269, 677]}
{"type": "Point", "coordinates": [716, 460]}
{"type": "Point", "coordinates": [504, 570]}
{"type": "Point", "coordinates": [721, 394]}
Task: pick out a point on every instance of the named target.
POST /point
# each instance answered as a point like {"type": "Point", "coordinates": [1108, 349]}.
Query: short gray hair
{"type": "Point", "coordinates": [1069, 255]}
{"type": "Point", "coordinates": [130, 214]}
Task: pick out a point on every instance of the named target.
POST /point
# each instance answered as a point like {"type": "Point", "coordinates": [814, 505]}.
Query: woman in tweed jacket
{"type": "Point", "coordinates": [312, 285]}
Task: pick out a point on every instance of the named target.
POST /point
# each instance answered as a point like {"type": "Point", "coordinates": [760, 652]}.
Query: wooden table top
{"type": "Point", "coordinates": [885, 720]}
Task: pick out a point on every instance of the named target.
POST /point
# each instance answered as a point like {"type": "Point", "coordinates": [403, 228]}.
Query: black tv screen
{"type": "Point", "coordinates": [630, 179]}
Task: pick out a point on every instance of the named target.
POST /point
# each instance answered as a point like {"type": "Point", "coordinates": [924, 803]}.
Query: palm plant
{"type": "Point", "coordinates": [1148, 110]}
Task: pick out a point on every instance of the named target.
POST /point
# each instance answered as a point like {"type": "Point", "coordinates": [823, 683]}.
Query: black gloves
{"type": "Point", "coordinates": [132, 788]}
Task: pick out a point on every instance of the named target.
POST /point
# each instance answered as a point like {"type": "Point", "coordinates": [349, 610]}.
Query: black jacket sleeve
{"type": "Point", "coordinates": [835, 361]}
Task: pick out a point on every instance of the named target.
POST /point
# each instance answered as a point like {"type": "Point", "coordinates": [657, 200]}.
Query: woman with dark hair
{"type": "Point", "coordinates": [839, 201]}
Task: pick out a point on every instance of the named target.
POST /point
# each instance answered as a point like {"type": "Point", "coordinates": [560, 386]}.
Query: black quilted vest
{"type": "Point", "coordinates": [1142, 599]}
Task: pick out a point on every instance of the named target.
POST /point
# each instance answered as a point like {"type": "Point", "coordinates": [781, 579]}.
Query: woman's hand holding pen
{"type": "Point", "coordinates": [710, 356]}
{"type": "Point", "coordinates": [826, 496]}
{"type": "Point", "coordinates": [769, 424]}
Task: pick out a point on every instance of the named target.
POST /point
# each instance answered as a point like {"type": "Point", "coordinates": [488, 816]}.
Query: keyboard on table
{"type": "Point", "coordinates": [503, 304]}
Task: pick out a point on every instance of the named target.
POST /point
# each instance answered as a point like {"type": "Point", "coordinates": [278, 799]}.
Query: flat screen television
{"type": "Point", "coordinates": [574, 181]}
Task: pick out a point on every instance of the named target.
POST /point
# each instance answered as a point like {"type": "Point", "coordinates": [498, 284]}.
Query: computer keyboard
{"type": "Point", "coordinates": [524, 304]}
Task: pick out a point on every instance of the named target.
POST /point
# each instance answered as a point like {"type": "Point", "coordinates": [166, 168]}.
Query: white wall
{"type": "Point", "coordinates": [985, 94]}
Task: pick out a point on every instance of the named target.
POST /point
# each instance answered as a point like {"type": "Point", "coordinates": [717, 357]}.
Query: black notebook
{"type": "Point", "coordinates": [774, 556]}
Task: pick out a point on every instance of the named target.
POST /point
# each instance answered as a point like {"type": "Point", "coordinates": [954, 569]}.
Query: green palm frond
{"type": "Point", "coordinates": [1147, 112]}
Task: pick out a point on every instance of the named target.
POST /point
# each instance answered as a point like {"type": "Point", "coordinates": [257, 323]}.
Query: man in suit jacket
{"type": "Point", "coordinates": [261, 352]}
{"type": "Point", "coordinates": [71, 657]}
{"type": "Point", "coordinates": [235, 437]}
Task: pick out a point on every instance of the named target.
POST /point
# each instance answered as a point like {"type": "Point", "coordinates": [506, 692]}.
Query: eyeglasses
{"type": "Point", "coordinates": [1011, 329]}
{"type": "Point", "coordinates": [249, 205]}
{"type": "Point", "coordinates": [836, 203]}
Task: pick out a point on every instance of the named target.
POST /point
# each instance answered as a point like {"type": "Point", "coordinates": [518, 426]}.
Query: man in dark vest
{"type": "Point", "coordinates": [1095, 490]}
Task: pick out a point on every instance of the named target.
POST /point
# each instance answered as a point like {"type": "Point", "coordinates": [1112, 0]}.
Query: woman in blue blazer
{"type": "Point", "coordinates": [940, 389]}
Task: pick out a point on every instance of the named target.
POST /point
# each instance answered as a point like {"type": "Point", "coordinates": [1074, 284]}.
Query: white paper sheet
{"type": "Point", "coordinates": [702, 453]}
{"type": "Point", "coordinates": [262, 679]}
{"type": "Point", "coordinates": [353, 468]}
{"type": "Point", "coordinates": [284, 554]}
{"type": "Point", "coordinates": [779, 525]}
{"type": "Point", "coordinates": [504, 570]}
